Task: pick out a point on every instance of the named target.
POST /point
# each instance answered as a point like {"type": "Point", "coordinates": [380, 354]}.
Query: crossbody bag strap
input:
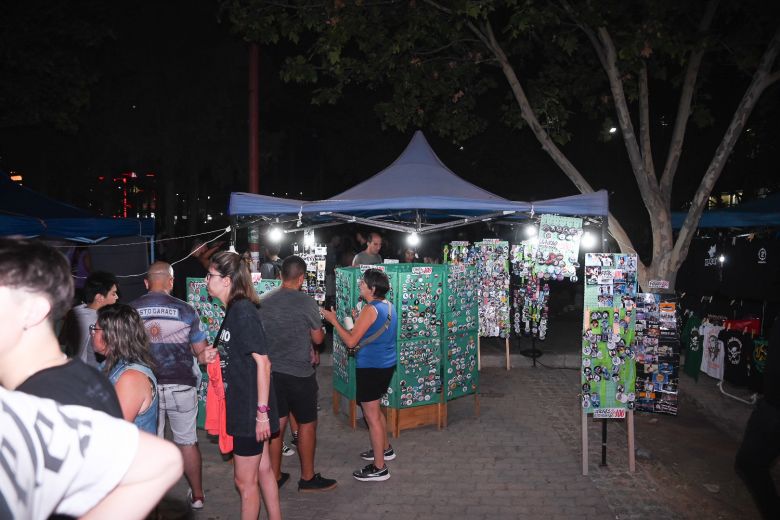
{"type": "Point", "coordinates": [373, 337]}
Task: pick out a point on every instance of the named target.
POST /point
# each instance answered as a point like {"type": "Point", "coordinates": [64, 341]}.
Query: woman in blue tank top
{"type": "Point", "coordinates": [374, 337]}
{"type": "Point", "coordinates": [119, 334]}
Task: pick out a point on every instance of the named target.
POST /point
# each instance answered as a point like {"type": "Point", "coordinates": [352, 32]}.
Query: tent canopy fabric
{"type": "Point", "coordinates": [416, 180]}
{"type": "Point", "coordinates": [755, 213]}
{"type": "Point", "coordinates": [26, 212]}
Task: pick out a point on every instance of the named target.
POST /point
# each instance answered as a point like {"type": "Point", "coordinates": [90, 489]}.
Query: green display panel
{"type": "Point", "coordinates": [211, 315]}
{"type": "Point", "coordinates": [343, 363]}
{"type": "Point", "coordinates": [608, 375]}
{"type": "Point", "coordinates": [460, 330]}
{"type": "Point", "coordinates": [437, 312]}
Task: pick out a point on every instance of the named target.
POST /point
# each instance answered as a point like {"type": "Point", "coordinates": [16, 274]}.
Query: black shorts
{"type": "Point", "coordinates": [372, 383]}
{"type": "Point", "coordinates": [247, 446]}
{"type": "Point", "coordinates": [297, 395]}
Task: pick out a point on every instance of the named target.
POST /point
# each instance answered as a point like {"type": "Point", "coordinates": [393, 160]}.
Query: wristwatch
{"type": "Point", "coordinates": [263, 408]}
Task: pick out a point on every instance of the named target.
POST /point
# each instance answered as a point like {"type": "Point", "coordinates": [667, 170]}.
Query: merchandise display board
{"type": "Point", "coordinates": [461, 315]}
{"type": "Point", "coordinates": [491, 259]}
{"type": "Point", "coordinates": [657, 354]}
{"type": "Point", "coordinates": [211, 315]}
{"type": "Point", "coordinates": [530, 292]}
{"type": "Point", "coordinates": [558, 247]}
{"type": "Point", "coordinates": [608, 374]}
{"type": "Point", "coordinates": [492, 262]}
{"type": "Point", "coordinates": [436, 340]}
{"type": "Point", "coordinates": [314, 283]}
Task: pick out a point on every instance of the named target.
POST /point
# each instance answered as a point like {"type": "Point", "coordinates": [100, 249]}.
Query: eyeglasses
{"type": "Point", "coordinates": [94, 328]}
{"type": "Point", "coordinates": [209, 276]}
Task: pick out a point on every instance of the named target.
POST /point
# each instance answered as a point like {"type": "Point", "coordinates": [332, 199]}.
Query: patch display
{"type": "Point", "coordinates": [608, 372]}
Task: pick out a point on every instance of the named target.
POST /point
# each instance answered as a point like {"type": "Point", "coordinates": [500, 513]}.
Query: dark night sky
{"type": "Point", "coordinates": [171, 99]}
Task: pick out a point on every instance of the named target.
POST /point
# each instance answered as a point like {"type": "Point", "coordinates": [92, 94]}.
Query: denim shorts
{"type": "Point", "coordinates": [179, 403]}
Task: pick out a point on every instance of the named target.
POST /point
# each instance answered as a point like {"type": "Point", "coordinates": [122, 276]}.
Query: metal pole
{"type": "Point", "coordinates": [603, 442]}
{"type": "Point", "coordinates": [254, 118]}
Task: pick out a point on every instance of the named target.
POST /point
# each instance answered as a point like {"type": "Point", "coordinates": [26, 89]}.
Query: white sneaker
{"type": "Point", "coordinates": [286, 450]}
{"type": "Point", "coordinates": [196, 504]}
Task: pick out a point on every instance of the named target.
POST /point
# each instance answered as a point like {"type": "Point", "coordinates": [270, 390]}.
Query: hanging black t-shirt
{"type": "Point", "coordinates": [74, 382]}
{"type": "Point", "coordinates": [241, 336]}
{"type": "Point", "coordinates": [736, 363]}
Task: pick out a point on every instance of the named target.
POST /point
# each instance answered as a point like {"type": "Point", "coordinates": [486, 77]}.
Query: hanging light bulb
{"type": "Point", "coordinates": [530, 231]}
{"type": "Point", "coordinates": [413, 239]}
{"type": "Point", "coordinates": [588, 240]}
{"type": "Point", "coordinates": [275, 234]}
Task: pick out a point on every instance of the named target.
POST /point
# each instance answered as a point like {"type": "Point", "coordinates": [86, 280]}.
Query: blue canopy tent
{"type": "Point", "coordinates": [752, 214]}
{"type": "Point", "coordinates": [417, 192]}
{"type": "Point", "coordinates": [28, 213]}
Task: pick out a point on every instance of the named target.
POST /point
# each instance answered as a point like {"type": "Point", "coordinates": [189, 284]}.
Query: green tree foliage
{"type": "Point", "coordinates": [44, 60]}
{"type": "Point", "coordinates": [443, 64]}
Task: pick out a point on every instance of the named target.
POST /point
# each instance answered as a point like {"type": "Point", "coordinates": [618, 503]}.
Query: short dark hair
{"type": "Point", "coordinates": [373, 235]}
{"type": "Point", "coordinates": [378, 281]}
{"type": "Point", "coordinates": [229, 264]}
{"type": "Point", "coordinates": [34, 266]}
{"type": "Point", "coordinates": [292, 267]}
{"type": "Point", "coordinates": [272, 249]}
{"type": "Point", "coordinates": [99, 282]}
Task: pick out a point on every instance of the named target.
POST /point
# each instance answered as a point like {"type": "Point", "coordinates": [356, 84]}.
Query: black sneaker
{"type": "Point", "coordinates": [282, 479]}
{"type": "Point", "coordinates": [317, 483]}
{"type": "Point", "coordinates": [369, 455]}
{"type": "Point", "coordinates": [371, 473]}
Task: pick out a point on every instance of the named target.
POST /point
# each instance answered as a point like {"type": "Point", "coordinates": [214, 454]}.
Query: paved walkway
{"type": "Point", "coordinates": [519, 459]}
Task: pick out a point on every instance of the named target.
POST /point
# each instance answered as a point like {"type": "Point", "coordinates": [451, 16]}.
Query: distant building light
{"type": "Point", "coordinates": [150, 175]}
{"type": "Point", "coordinates": [16, 178]}
{"type": "Point", "coordinates": [612, 130]}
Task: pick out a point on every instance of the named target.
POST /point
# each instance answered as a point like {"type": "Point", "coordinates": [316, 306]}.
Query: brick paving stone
{"type": "Point", "coordinates": [519, 459]}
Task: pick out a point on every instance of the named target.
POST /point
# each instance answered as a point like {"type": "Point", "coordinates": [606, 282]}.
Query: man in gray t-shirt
{"type": "Point", "coordinates": [292, 324]}
{"type": "Point", "coordinates": [371, 255]}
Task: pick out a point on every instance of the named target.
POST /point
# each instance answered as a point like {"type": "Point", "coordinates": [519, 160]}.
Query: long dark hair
{"type": "Point", "coordinates": [124, 335]}
{"type": "Point", "coordinates": [230, 265]}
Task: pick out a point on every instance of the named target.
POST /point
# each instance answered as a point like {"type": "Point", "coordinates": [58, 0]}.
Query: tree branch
{"type": "Point", "coordinates": [644, 121]}
{"type": "Point", "coordinates": [684, 106]}
{"type": "Point", "coordinates": [746, 105]}
{"type": "Point", "coordinates": [648, 190]}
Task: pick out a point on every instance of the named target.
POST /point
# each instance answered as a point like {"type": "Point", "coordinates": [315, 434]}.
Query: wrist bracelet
{"type": "Point", "coordinates": [263, 408]}
{"type": "Point", "coordinates": [262, 420]}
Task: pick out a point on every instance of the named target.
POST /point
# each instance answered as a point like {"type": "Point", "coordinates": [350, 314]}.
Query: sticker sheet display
{"type": "Point", "coordinates": [530, 292]}
{"type": "Point", "coordinates": [314, 282]}
{"type": "Point", "coordinates": [609, 350]}
{"type": "Point", "coordinates": [657, 354]}
{"type": "Point", "coordinates": [558, 247]}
